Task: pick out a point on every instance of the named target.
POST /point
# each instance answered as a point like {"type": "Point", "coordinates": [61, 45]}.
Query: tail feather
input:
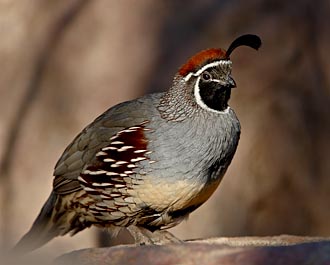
{"type": "Point", "coordinates": [42, 230]}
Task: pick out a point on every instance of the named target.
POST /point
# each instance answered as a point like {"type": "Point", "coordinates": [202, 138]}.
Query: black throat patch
{"type": "Point", "coordinates": [214, 95]}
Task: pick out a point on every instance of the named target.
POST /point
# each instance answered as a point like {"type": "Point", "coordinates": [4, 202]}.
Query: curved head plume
{"type": "Point", "coordinates": [208, 56]}
{"type": "Point", "coordinates": [249, 40]}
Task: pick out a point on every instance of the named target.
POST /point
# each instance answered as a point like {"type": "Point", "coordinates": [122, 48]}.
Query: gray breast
{"type": "Point", "coordinates": [199, 148]}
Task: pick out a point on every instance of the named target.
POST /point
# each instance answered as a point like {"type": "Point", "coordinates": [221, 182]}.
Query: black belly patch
{"type": "Point", "coordinates": [183, 212]}
{"type": "Point", "coordinates": [153, 214]}
{"type": "Point", "coordinates": [217, 169]}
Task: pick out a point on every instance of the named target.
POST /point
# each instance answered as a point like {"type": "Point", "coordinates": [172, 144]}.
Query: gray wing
{"type": "Point", "coordinates": [82, 150]}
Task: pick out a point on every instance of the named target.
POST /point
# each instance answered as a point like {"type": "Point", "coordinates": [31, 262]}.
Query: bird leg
{"type": "Point", "coordinates": [139, 237]}
{"type": "Point", "coordinates": [166, 237]}
{"type": "Point", "coordinates": [144, 236]}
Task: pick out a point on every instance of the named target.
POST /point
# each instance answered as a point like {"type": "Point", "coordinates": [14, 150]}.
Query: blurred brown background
{"type": "Point", "coordinates": [65, 62]}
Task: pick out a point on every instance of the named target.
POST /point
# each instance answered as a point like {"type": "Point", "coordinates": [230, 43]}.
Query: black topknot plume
{"type": "Point", "coordinates": [249, 40]}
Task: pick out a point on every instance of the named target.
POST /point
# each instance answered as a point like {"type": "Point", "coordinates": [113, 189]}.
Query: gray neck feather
{"type": "Point", "coordinates": [178, 102]}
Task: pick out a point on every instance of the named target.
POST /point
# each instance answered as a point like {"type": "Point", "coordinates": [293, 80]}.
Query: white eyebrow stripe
{"type": "Point", "coordinates": [213, 64]}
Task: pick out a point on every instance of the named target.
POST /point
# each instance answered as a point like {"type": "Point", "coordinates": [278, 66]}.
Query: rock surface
{"type": "Point", "coordinates": [284, 250]}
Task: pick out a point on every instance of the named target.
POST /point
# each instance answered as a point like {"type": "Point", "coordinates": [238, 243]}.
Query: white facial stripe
{"type": "Point", "coordinates": [200, 101]}
{"type": "Point", "coordinates": [213, 64]}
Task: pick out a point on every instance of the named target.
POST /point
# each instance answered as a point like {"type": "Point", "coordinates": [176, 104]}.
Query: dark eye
{"type": "Point", "coordinates": [206, 76]}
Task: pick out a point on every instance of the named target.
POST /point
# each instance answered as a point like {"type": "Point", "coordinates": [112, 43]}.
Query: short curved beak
{"type": "Point", "coordinates": [231, 82]}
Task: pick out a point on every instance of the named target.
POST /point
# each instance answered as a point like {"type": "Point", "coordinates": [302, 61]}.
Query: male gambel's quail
{"type": "Point", "coordinates": [146, 164]}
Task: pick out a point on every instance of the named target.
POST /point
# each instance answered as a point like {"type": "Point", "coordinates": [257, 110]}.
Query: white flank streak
{"type": "Point", "coordinates": [128, 172]}
{"type": "Point", "coordinates": [109, 148]}
{"type": "Point", "coordinates": [134, 128]}
{"type": "Point", "coordinates": [148, 153]}
{"type": "Point", "coordinates": [139, 151]}
{"type": "Point", "coordinates": [124, 148]}
{"type": "Point", "coordinates": [117, 142]}
{"type": "Point", "coordinates": [120, 186]}
{"type": "Point", "coordinates": [115, 165]}
{"type": "Point", "coordinates": [113, 137]}
{"type": "Point", "coordinates": [129, 130]}
{"type": "Point", "coordinates": [99, 172]}
{"type": "Point", "coordinates": [81, 179]}
{"type": "Point", "coordinates": [112, 174]}
{"type": "Point", "coordinates": [88, 189]}
{"type": "Point", "coordinates": [137, 159]}
{"type": "Point", "coordinates": [95, 184]}
{"type": "Point", "coordinates": [106, 184]}
{"type": "Point", "coordinates": [200, 101]}
{"type": "Point", "coordinates": [152, 161]}
{"type": "Point", "coordinates": [108, 160]}
{"type": "Point", "coordinates": [123, 175]}
{"type": "Point", "coordinates": [131, 166]}
{"type": "Point", "coordinates": [101, 153]}
{"type": "Point", "coordinates": [213, 64]}
{"type": "Point", "coordinates": [121, 162]}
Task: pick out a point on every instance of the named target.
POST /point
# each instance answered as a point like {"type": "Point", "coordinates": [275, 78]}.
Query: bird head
{"type": "Point", "coordinates": [207, 74]}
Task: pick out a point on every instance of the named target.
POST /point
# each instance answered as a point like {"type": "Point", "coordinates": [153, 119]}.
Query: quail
{"type": "Point", "coordinates": [146, 164]}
